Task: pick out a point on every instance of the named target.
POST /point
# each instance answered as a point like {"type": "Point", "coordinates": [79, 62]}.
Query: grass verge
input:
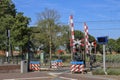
{"type": "Point", "coordinates": [110, 71]}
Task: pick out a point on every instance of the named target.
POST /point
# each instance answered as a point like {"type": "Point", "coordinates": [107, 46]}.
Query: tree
{"type": "Point", "coordinates": [79, 34]}
{"type": "Point", "coordinates": [64, 36]}
{"type": "Point", "coordinates": [14, 21]}
{"type": "Point", "coordinates": [6, 24]}
{"type": "Point", "coordinates": [112, 45]}
{"type": "Point", "coordinates": [48, 23]}
{"type": "Point", "coordinates": [49, 15]}
{"type": "Point", "coordinates": [20, 32]}
{"type": "Point", "coordinates": [7, 8]}
{"type": "Point", "coordinates": [48, 28]}
{"type": "Point", "coordinates": [7, 14]}
{"type": "Point", "coordinates": [118, 45]}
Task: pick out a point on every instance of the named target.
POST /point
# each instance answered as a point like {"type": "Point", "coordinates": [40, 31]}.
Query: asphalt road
{"type": "Point", "coordinates": [53, 75]}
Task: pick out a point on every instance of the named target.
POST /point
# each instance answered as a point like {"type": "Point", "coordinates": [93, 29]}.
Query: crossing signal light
{"type": "Point", "coordinates": [95, 43]}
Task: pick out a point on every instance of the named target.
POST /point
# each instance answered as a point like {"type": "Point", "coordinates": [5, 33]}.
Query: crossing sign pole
{"type": "Point", "coordinates": [103, 41]}
{"type": "Point", "coordinates": [104, 66]}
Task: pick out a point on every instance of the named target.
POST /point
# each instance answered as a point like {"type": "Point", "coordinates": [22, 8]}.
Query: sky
{"type": "Point", "coordinates": [101, 16]}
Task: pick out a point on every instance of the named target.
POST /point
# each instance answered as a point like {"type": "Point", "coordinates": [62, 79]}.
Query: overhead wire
{"type": "Point", "coordinates": [97, 21]}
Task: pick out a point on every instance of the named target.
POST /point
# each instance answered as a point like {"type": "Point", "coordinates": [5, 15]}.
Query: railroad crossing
{"type": "Point", "coordinates": [53, 76]}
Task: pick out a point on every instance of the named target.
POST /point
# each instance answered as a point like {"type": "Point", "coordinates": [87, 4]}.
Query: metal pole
{"type": "Point", "coordinates": [90, 58]}
{"type": "Point", "coordinates": [95, 50]}
{"type": "Point", "coordinates": [90, 48]}
{"type": "Point", "coordinates": [28, 52]}
{"type": "Point", "coordinates": [9, 41]}
{"type": "Point", "coordinates": [8, 53]}
{"type": "Point", "coordinates": [104, 67]}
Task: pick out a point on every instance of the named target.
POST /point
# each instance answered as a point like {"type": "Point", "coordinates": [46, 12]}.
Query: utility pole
{"type": "Point", "coordinates": [50, 37]}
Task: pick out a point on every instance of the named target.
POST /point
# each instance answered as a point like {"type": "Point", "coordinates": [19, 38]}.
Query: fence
{"type": "Point", "coordinates": [112, 61]}
{"type": "Point", "coordinates": [10, 60]}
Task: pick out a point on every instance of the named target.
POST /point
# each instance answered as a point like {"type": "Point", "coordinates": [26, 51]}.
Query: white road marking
{"type": "Point", "coordinates": [29, 78]}
{"type": "Point", "coordinates": [54, 74]}
{"type": "Point", "coordinates": [8, 79]}
{"type": "Point", "coordinates": [68, 78]}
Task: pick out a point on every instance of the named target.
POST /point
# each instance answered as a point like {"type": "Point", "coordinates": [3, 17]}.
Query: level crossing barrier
{"type": "Point", "coordinates": [77, 66]}
{"type": "Point", "coordinates": [34, 65]}
{"type": "Point", "coordinates": [57, 63]}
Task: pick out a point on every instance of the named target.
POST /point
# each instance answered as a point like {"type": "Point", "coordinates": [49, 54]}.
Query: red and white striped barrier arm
{"type": "Point", "coordinates": [86, 38]}
{"type": "Point", "coordinates": [72, 34]}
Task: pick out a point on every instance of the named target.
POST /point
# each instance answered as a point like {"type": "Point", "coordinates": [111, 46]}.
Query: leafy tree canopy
{"type": "Point", "coordinates": [14, 21]}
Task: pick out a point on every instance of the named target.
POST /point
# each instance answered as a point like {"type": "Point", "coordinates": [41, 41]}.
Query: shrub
{"type": "Point", "coordinates": [98, 72]}
{"type": "Point", "coordinates": [113, 71]}
{"type": "Point", "coordinates": [64, 58]}
{"type": "Point", "coordinates": [113, 58]}
{"type": "Point", "coordinates": [109, 58]}
{"type": "Point", "coordinates": [99, 58]}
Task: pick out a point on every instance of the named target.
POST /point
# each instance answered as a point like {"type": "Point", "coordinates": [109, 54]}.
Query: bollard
{"type": "Point", "coordinates": [24, 66]}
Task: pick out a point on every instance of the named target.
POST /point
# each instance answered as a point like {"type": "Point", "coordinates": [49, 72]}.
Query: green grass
{"type": "Point", "coordinates": [113, 58]}
{"type": "Point", "coordinates": [113, 71]}
{"type": "Point", "coordinates": [98, 72]}
{"type": "Point", "coordinates": [110, 71]}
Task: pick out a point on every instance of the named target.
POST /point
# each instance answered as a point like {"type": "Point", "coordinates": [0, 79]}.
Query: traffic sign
{"type": "Point", "coordinates": [102, 40]}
